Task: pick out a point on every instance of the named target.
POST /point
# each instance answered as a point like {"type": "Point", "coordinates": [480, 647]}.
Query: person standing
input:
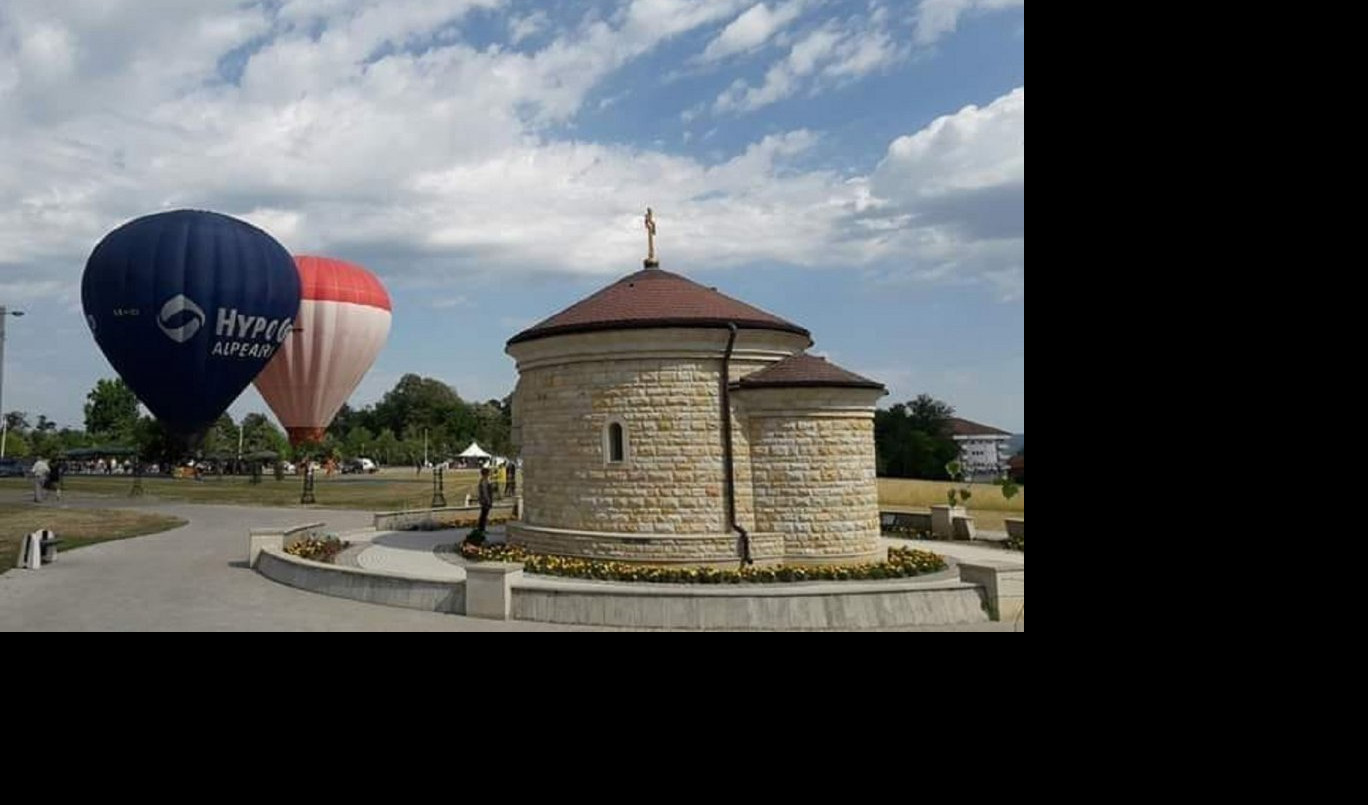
{"type": "Point", "coordinates": [54, 481]}
{"type": "Point", "coordinates": [486, 499]}
{"type": "Point", "coordinates": [40, 470]}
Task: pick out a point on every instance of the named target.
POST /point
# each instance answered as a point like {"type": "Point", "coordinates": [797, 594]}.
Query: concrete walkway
{"type": "Point", "coordinates": [195, 578]}
{"type": "Point", "coordinates": [962, 551]}
{"type": "Point", "coordinates": [410, 553]}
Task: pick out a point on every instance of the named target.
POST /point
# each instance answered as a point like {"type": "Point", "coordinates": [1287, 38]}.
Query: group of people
{"type": "Point", "coordinates": [46, 478]}
{"type": "Point", "coordinates": [101, 466]}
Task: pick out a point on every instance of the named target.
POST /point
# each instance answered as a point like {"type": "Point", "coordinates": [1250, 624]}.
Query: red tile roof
{"type": "Point", "coordinates": [963, 427]}
{"type": "Point", "coordinates": [655, 298]}
{"type": "Point", "coordinates": [803, 369]}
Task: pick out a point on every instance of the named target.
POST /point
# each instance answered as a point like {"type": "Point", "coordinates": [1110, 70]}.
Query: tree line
{"type": "Point", "coordinates": [912, 439]}
{"type": "Point", "coordinates": [418, 412]}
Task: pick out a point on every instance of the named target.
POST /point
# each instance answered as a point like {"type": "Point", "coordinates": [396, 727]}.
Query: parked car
{"type": "Point", "coordinates": [12, 468]}
{"type": "Point", "coordinates": [363, 465]}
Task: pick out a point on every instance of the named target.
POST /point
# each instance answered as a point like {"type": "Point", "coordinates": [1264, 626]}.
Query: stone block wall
{"type": "Point", "coordinates": [803, 458]}
{"type": "Point", "coordinates": [813, 468]}
{"type": "Point", "coordinates": [719, 550]}
{"type": "Point", "coordinates": [671, 477]}
{"type": "Point", "coordinates": [663, 387]}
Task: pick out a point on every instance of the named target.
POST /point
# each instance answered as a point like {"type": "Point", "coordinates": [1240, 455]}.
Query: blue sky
{"type": "Point", "coordinates": [855, 167]}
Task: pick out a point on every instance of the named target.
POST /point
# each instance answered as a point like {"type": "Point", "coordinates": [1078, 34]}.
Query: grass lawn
{"type": "Point", "coordinates": [75, 527]}
{"type": "Point", "coordinates": [987, 505]}
{"type": "Point", "coordinates": [388, 491]}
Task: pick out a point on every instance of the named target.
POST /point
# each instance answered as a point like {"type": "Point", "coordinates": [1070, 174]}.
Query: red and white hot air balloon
{"type": "Point", "coordinates": [343, 322]}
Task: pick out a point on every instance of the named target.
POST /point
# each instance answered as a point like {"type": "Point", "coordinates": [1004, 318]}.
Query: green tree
{"type": "Point", "coordinates": [45, 443]}
{"type": "Point", "coordinates": [349, 418]}
{"type": "Point", "coordinates": [421, 402]}
{"type": "Point", "coordinates": [17, 445]}
{"type": "Point", "coordinates": [912, 440]}
{"type": "Point", "coordinates": [17, 421]}
{"type": "Point", "coordinates": [111, 411]}
{"type": "Point", "coordinates": [259, 433]}
{"type": "Point", "coordinates": [929, 415]}
{"type": "Point", "coordinates": [70, 438]}
{"type": "Point", "coordinates": [495, 425]}
{"type": "Point", "coordinates": [155, 443]}
{"type": "Point", "coordinates": [221, 438]}
{"type": "Point", "coordinates": [387, 448]}
{"type": "Point", "coordinates": [358, 442]}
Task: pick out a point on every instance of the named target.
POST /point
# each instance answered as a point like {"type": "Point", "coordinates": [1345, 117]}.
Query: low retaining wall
{"type": "Point", "coordinates": [444, 516]}
{"type": "Point", "coordinates": [1003, 583]}
{"type": "Point", "coordinates": [972, 592]}
{"type": "Point", "coordinates": [359, 584]}
{"type": "Point", "coordinates": [830, 605]}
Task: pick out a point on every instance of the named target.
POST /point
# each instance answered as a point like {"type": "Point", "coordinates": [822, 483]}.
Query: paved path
{"type": "Point", "coordinates": [195, 578]}
{"type": "Point", "coordinates": [409, 553]}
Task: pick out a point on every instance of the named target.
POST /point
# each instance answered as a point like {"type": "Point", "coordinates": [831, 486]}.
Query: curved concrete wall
{"type": "Point", "coordinates": [834, 605]}
{"type": "Point", "coordinates": [432, 595]}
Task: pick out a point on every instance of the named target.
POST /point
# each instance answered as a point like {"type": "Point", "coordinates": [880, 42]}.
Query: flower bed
{"type": "Point", "coordinates": [462, 520]}
{"type": "Point", "coordinates": [1016, 543]}
{"type": "Point", "coordinates": [318, 549]}
{"type": "Point", "coordinates": [902, 563]}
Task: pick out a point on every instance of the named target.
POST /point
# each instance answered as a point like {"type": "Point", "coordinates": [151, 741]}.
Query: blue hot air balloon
{"type": "Point", "coordinates": [188, 306]}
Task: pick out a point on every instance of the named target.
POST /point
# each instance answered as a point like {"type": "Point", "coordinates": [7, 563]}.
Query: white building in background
{"type": "Point", "coordinates": [983, 449]}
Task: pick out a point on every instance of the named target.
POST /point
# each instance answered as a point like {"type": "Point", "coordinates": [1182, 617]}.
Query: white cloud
{"type": "Point", "coordinates": [752, 29]}
{"type": "Point", "coordinates": [936, 18]}
{"type": "Point", "coordinates": [520, 28]}
{"type": "Point", "coordinates": [825, 57]}
{"type": "Point", "coordinates": [973, 150]}
{"type": "Point", "coordinates": [435, 160]}
{"type": "Point", "coordinates": [954, 195]}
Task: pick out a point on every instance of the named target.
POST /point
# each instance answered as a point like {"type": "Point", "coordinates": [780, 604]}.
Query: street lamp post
{"type": "Point", "coordinates": [4, 423]}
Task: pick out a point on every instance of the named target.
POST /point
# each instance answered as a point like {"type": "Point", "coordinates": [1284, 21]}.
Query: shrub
{"type": "Point", "coordinates": [439, 523]}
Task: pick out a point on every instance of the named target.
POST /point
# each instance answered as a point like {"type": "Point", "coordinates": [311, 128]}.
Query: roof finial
{"type": "Point", "coordinates": [650, 261]}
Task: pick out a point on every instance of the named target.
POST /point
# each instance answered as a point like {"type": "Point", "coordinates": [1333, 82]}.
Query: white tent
{"type": "Point", "coordinates": [474, 451]}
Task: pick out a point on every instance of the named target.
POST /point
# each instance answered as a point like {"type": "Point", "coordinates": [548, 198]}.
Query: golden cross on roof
{"type": "Point", "coordinates": [651, 261]}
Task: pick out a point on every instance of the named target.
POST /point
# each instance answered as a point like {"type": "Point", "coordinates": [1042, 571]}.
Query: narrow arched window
{"type": "Point", "coordinates": [615, 442]}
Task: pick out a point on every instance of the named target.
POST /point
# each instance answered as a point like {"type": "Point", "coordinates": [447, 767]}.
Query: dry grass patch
{"type": "Point", "coordinates": [905, 493]}
{"type": "Point", "coordinates": [987, 505]}
{"type": "Point", "coordinates": [75, 527]}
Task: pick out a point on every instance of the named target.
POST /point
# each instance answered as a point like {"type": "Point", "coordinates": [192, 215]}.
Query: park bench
{"type": "Point", "coordinates": [904, 522]}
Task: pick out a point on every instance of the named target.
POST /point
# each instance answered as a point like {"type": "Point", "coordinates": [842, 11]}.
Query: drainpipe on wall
{"type": "Point", "coordinates": [727, 467]}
